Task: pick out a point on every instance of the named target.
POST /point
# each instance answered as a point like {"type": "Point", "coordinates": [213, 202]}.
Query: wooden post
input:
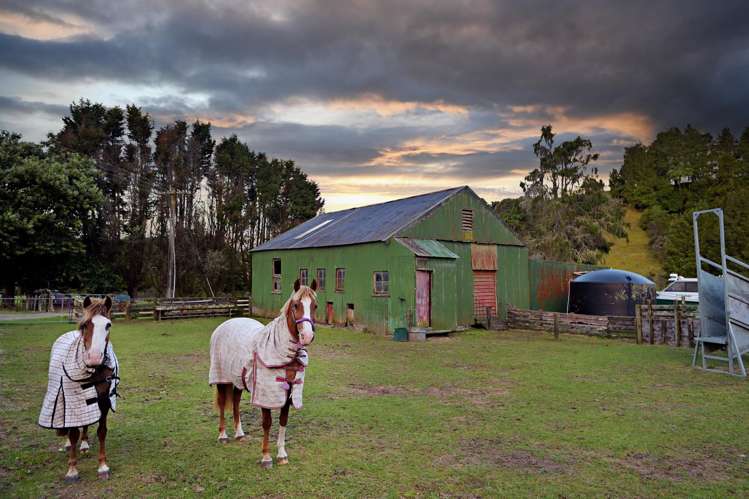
{"type": "Point", "coordinates": [638, 324]}
{"type": "Point", "coordinates": [650, 320]}
{"type": "Point", "coordinates": [556, 326]}
{"type": "Point", "coordinates": [677, 326]}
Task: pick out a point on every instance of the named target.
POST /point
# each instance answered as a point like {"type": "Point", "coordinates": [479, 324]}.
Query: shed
{"type": "Point", "coordinates": [438, 261]}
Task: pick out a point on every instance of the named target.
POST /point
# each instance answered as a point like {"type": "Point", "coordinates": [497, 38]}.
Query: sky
{"type": "Point", "coordinates": [380, 100]}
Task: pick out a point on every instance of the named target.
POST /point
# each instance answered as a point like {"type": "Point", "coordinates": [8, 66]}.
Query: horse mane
{"type": "Point", "coordinates": [97, 307]}
{"type": "Point", "coordinates": [304, 292]}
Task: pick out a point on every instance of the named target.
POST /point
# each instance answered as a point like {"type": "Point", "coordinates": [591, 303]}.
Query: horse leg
{"type": "Point", "coordinates": [84, 440]}
{"type": "Point", "coordinates": [72, 474]}
{"type": "Point", "coordinates": [267, 461]}
{"type": "Point", "coordinates": [63, 432]}
{"type": "Point", "coordinates": [282, 457]}
{"type": "Point", "coordinates": [221, 403]}
{"type": "Point", "coordinates": [236, 398]}
{"type": "Point", "coordinates": [101, 432]}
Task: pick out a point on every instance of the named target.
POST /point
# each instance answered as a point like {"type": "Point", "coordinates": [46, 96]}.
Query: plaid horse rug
{"type": "Point", "coordinates": [71, 400]}
{"type": "Point", "coordinates": [254, 357]}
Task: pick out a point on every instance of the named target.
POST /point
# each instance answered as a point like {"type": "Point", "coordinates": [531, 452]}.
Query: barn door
{"type": "Point", "coordinates": [423, 298]}
{"type": "Point", "coordinates": [484, 294]}
{"type": "Point", "coordinates": [329, 315]}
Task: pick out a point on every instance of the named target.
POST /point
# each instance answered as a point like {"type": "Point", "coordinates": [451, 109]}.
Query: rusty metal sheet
{"type": "Point", "coordinates": [483, 256]}
{"type": "Point", "coordinates": [428, 248]}
{"type": "Point", "coordinates": [484, 292]}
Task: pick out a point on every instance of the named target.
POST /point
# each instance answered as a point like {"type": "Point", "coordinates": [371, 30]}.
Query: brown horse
{"type": "Point", "coordinates": [83, 374]}
{"type": "Point", "coordinates": [268, 361]}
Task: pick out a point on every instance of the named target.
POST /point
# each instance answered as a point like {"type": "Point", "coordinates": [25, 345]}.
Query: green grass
{"type": "Point", "coordinates": [483, 413]}
{"type": "Point", "coordinates": [633, 253]}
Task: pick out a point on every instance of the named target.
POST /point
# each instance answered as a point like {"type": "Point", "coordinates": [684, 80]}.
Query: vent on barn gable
{"type": "Point", "coordinates": [466, 224]}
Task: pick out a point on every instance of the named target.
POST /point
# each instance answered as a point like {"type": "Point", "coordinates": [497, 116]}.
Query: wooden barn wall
{"type": "Point", "coordinates": [378, 313]}
{"type": "Point", "coordinates": [443, 223]}
{"type": "Point", "coordinates": [549, 283]}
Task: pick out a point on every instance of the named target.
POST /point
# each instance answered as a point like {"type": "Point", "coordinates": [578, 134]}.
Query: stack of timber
{"type": "Point", "coordinates": [590, 325]}
{"type": "Point", "coordinates": [675, 325]}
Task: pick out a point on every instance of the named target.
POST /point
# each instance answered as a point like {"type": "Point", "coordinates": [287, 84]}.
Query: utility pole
{"type": "Point", "coordinates": [171, 285]}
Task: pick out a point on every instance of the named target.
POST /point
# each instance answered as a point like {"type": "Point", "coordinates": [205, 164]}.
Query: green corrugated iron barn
{"type": "Point", "coordinates": [440, 260]}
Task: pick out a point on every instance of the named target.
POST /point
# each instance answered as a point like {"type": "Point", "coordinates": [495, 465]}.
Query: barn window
{"type": "Point", "coordinates": [466, 224]}
{"type": "Point", "coordinates": [321, 279]}
{"type": "Point", "coordinates": [303, 277]}
{"type": "Point", "coordinates": [340, 277]}
{"type": "Point", "coordinates": [381, 282]}
{"type": "Point", "coordinates": [466, 220]}
{"type": "Point", "coordinates": [276, 275]}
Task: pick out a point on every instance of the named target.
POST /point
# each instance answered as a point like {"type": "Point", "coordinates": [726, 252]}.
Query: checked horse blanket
{"type": "Point", "coordinates": [254, 357]}
{"type": "Point", "coordinates": [70, 400]}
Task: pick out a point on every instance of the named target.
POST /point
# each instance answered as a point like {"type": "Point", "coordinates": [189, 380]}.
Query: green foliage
{"type": "Point", "coordinates": [250, 199]}
{"type": "Point", "coordinates": [45, 203]}
{"type": "Point", "coordinates": [680, 172]}
{"type": "Point", "coordinates": [565, 213]}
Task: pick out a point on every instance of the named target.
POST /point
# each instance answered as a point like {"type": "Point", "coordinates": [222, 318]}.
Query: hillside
{"type": "Point", "coordinates": [633, 253]}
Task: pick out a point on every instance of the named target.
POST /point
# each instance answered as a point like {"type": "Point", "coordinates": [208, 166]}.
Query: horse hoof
{"type": "Point", "coordinates": [223, 440]}
{"type": "Point", "coordinates": [239, 438]}
{"type": "Point", "coordinates": [266, 465]}
{"type": "Point", "coordinates": [104, 475]}
{"type": "Point", "coordinates": [282, 461]}
{"type": "Point", "coordinates": [72, 479]}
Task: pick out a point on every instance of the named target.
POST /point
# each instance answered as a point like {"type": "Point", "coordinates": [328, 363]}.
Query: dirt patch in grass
{"type": "Point", "coordinates": [675, 468]}
{"type": "Point", "coordinates": [445, 394]}
{"type": "Point", "coordinates": [495, 452]}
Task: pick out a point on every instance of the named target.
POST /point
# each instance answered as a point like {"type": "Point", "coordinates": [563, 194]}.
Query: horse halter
{"type": "Point", "coordinates": [303, 319]}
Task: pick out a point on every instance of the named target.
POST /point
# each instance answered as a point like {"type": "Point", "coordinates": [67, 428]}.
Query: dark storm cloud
{"type": "Point", "coordinates": [15, 105]}
{"type": "Point", "coordinates": [674, 61]}
{"type": "Point", "coordinates": [665, 63]}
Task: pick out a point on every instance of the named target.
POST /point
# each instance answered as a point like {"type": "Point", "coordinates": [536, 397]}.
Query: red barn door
{"type": "Point", "coordinates": [484, 293]}
{"type": "Point", "coordinates": [423, 298]}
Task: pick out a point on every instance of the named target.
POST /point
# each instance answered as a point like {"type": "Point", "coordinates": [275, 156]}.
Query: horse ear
{"type": "Point", "coordinates": [108, 303]}
{"type": "Point", "coordinates": [314, 285]}
{"type": "Point", "coordinates": [86, 302]}
{"type": "Point", "coordinates": [296, 285]}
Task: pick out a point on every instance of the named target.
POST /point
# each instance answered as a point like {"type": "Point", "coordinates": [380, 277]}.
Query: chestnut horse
{"type": "Point", "coordinates": [267, 361]}
{"type": "Point", "coordinates": [83, 374]}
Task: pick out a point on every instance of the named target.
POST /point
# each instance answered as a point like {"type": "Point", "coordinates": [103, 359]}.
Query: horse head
{"type": "Point", "coordinates": [94, 327]}
{"type": "Point", "coordinates": [300, 312]}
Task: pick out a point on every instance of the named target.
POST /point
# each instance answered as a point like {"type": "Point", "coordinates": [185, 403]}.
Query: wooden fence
{"type": "Point", "coordinates": [177, 308]}
{"type": "Point", "coordinates": [675, 325]}
{"type": "Point", "coordinates": [591, 325]}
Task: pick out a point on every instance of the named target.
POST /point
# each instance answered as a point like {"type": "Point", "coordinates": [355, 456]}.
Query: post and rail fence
{"type": "Point", "coordinates": [70, 306]}
{"type": "Point", "coordinates": [676, 325]}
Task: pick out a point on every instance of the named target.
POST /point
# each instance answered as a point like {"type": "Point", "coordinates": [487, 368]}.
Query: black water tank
{"type": "Point", "coordinates": [609, 292]}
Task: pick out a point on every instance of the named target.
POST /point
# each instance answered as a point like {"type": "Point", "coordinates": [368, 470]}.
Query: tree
{"type": "Point", "coordinates": [45, 202]}
{"type": "Point", "coordinates": [562, 168]}
{"type": "Point", "coordinates": [564, 213]}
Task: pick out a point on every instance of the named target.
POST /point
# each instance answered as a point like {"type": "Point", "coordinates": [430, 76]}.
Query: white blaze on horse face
{"type": "Point", "coordinates": [95, 353]}
{"type": "Point", "coordinates": [306, 333]}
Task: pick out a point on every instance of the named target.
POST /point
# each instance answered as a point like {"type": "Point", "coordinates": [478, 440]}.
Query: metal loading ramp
{"type": "Point", "coordinates": [723, 306]}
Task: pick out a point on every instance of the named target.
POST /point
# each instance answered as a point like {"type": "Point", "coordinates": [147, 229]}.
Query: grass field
{"type": "Point", "coordinates": [479, 414]}
{"type": "Point", "coordinates": [633, 253]}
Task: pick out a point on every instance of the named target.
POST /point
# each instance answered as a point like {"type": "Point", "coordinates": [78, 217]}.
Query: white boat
{"type": "Point", "coordinates": [679, 288]}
